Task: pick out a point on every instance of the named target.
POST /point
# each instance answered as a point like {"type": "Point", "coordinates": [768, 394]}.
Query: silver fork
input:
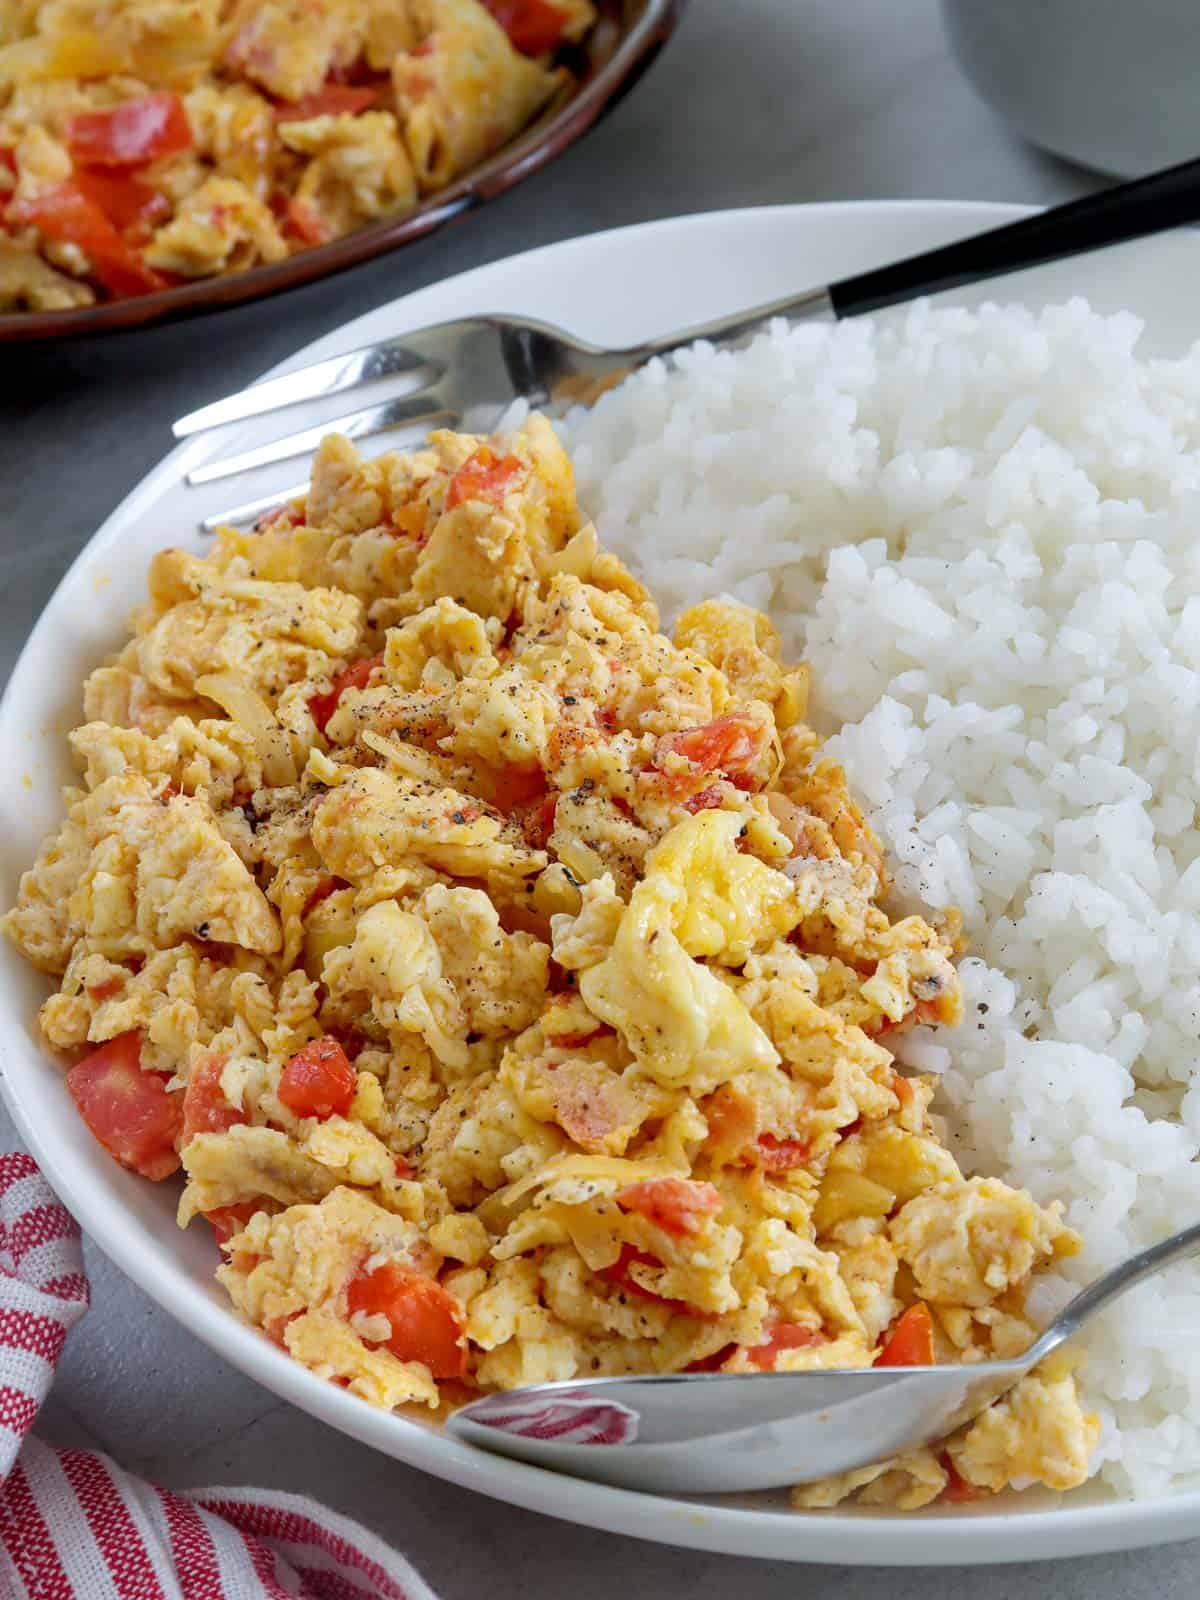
{"type": "Point", "coordinates": [473, 369]}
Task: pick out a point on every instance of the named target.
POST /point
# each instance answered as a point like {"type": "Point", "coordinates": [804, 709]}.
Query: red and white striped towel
{"type": "Point", "coordinates": [74, 1526]}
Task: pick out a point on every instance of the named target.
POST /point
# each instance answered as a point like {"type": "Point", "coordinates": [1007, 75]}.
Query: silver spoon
{"type": "Point", "coordinates": [715, 1433]}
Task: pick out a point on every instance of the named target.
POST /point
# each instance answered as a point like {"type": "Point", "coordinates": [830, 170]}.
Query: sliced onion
{"type": "Point", "coordinates": [242, 703]}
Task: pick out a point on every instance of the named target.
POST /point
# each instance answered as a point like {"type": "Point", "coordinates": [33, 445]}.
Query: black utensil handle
{"type": "Point", "coordinates": [1148, 205]}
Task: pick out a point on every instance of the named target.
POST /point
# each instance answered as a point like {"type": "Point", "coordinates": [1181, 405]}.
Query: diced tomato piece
{"type": "Point", "coordinates": [619, 1273]}
{"type": "Point", "coordinates": [425, 1319]}
{"type": "Point", "coordinates": [783, 1336]}
{"type": "Point", "coordinates": [274, 1326]}
{"type": "Point", "coordinates": [65, 213]}
{"type": "Point", "coordinates": [126, 201]}
{"type": "Point", "coordinates": [404, 1168]}
{"type": "Point", "coordinates": [714, 1362]}
{"type": "Point", "coordinates": [538, 822]}
{"type": "Point", "coordinates": [318, 1081]}
{"type": "Point", "coordinates": [306, 222]}
{"type": "Point", "coordinates": [354, 676]}
{"type": "Point", "coordinates": [8, 158]}
{"type": "Point", "coordinates": [129, 1111]}
{"type": "Point", "coordinates": [730, 744]}
{"type": "Point", "coordinates": [910, 1343]}
{"type": "Point", "coordinates": [205, 1108]}
{"type": "Point", "coordinates": [707, 800]}
{"type": "Point", "coordinates": [958, 1491]}
{"type": "Point", "coordinates": [533, 26]}
{"type": "Point", "coordinates": [520, 792]}
{"type": "Point", "coordinates": [732, 1121]}
{"type": "Point", "coordinates": [225, 1221]}
{"type": "Point", "coordinates": [929, 1012]}
{"type": "Point", "coordinates": [733, 1136]}
{"type": "Point", "coordinates": [132, 133]}
{"type": "Point", "coordinates": [677, 1205]}
{"type": "Point", "coordinates": [332, 100]}
{"type": "Point", "coordinates": [105, 990]}
{"type": "Point", "coordinates": [482, 476]}
{"type": "Point", "coordinates": [518, 786]}
{"type": "Point", "coordinates": [781, 1155]}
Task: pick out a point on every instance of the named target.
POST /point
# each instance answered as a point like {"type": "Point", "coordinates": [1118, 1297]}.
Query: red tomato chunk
{"type": "Point", "coordinates": [132, 133]}
{"type": "Point", "coordinates": [306, 222]}
{"type": "Point", "coordinates": [354, 676]}
{"type": "Point", "coordinates": [482, 476]}
{"type": "Point", "coordinates": [958, 1491]}
{"type": "Point", "coordinates": [205, 1108]}
{"type": "Point", "coordinates": [620, 1274]}
{"type": "Point", "coordinates": [677, 1205]}
{"type": "Point", "coordinates": [515, 787]}
{"type": "Point", "coordinates": [781, 1155]}
{"type": "Point", "coordinates": [714, 1362]}
{"type": "Point", "coordinates": [129, 1111]}
{"type": "Point", "coordinates": [730, 744]}
{"type": "Point", "coordinates": [533, 26]}
{"type": "Point", "coordinates": [537, 822]}
{"type": "Point", "coordinates": [318, 1081]}
{"type": "Point", "coordinates": [783, 1336]}
{"type": "Point", "coordinates": [910, 1343]}
{"type": "Point", "coordinates": [66, 214]}
{"type": "Point", "coordinates": [225, 1221]}
{"type": "Point", "coordinates": [334, 100]}
{"type": "Point", "coordinates": [424, 1317]}
{"type": "Point", "coordinates": [127, 202]}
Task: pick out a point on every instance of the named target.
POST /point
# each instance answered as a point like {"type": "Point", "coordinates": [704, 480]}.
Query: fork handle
{"type": "Point", "coordinates": [1126, 211]}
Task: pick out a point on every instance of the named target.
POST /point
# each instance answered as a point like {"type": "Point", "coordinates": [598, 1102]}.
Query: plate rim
{"type": "Point", "coordinates": [943, 1537]}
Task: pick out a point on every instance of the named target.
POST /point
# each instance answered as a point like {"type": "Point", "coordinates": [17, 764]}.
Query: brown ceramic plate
{"type": "Point", "coordinates": [628, 36]}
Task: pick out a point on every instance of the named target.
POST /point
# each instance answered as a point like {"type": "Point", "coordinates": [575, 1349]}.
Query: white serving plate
{"type": "Point", "coordinates": [615, 287]}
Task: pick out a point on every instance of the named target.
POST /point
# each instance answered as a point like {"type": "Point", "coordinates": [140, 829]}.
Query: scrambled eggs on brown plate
{"type": "Point", "coordinates": [512, 982]}
{"type": "Point", "coordinates": [144, 143]}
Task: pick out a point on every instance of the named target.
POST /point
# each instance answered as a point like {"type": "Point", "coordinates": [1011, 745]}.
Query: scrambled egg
{"type": "Point", "coordinates": [513, 983]}
{"type": "Point", "coordinates": [147, 141]}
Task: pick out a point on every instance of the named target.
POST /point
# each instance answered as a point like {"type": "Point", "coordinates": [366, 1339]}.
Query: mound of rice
{"type": "Point", "coordinates": [981, 529]}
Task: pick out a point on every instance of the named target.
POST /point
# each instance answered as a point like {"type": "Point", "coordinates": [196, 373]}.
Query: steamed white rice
{"type": "Point", "coordinates": [983, 530]}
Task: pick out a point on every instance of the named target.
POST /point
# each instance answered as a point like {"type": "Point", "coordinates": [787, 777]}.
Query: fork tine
{"type": "Point", "coordinates": [425, 408]}
{"type": "Point", "coordinates": [386, 359]}
{"type": "Point", "coordinates": [251, 511]}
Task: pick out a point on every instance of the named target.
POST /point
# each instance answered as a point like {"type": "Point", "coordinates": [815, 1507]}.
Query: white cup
{"type": "Point", "coordinates": [1113, 84]}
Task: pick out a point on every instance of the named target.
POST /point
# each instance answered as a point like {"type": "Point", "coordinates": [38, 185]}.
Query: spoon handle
{"type": "Point", "coordinates": [1114, 1284]}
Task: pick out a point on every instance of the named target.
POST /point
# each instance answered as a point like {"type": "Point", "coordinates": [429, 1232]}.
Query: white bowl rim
{"type": "Point", "coordinates": [940, 1537]}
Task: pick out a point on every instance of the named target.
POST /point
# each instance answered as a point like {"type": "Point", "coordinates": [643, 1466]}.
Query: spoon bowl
{"type": "Point", "coordinates": [719, 1433]}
